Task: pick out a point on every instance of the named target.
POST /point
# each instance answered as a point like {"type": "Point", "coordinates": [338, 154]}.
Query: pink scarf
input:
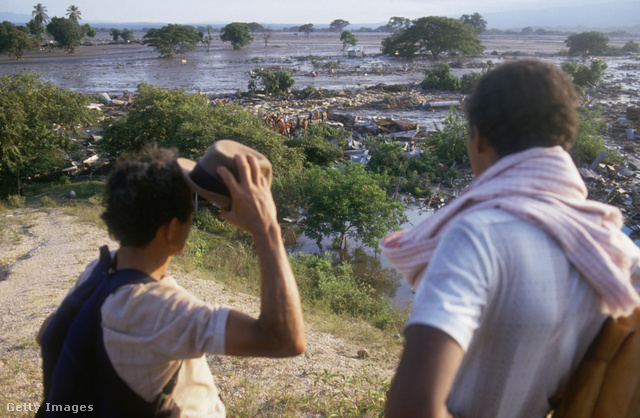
{"type": "Point", "coordinates": [541, 186]}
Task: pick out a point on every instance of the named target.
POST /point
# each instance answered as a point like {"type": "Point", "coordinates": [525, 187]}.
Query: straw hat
{"type": "Point", "coordinates": [203, 179]}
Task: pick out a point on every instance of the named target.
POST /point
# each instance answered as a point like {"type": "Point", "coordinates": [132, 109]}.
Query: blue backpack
{"type": "Point", "coordinates": [79, 379]}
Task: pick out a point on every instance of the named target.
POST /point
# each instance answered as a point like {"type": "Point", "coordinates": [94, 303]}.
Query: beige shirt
{"type": "Point", "coordinates": [150, 329]}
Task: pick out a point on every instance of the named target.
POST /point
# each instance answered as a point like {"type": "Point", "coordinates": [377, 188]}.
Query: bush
{"type": "Point", "coordinates": [37, 120]}
{"type": "Point", "coordinates": [631, 47]}
{"type": "Point", "coordinates": [16, 201]}
{"type": "Point", "coordinates": [174, 118]}
{"type": "Point", "coordinates": [273, 82]}
{"type": "Point", "coordinates": [581, 75]}
{"type": "Point", "coordinates": [449, 143]}
{"type": "Point", "coordinates": [468, 82]}
{"type": "Point", "coordinates": [337, 289]}
{"type": "Point", "coordinates": [588, 143]}
{"type": "Point", "coordinates": [440, 78]}
{"type": "Point", "coordinates": [321, 144]}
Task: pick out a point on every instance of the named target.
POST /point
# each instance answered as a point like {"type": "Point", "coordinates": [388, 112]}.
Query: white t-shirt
{"type": "Point", "coordinates": [151, 329]}
{"type": "Point", "coordinates": [505, 291]}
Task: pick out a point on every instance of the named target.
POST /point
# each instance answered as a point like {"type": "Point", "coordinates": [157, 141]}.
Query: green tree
{"type": "Point", "coordinates": [175, 118]}
{"type": "Point", "coordinates": [207, 39]}
{"type": "Point", "coordinates": [115, 33]}
{"type": "Point", "coordinates": [236, 33]}
{"type": "Point", "coordinates": [306, 28]}
{"type": "Point", "coordinates": [476, 21]}
{"type": "Point", "coordinates": [348, 38]}
{"type": "Point", "coordinates": [172, 39]}
{"type": "Point", "coordinates": [348, 201]}
{"type": "Point", "coordinates": [433, 35]}
{"type": "Point", "coordinates": [338, 25]}
{"type": "Point", "coordinates": [37, 119]}
{"type": "Point", "coordinates": [74, 14]}
{"type": "Point", "coordinates": [88, 30]}
{"type": "Point", "coordinates": [66, 32]}
{"type": "Point", "coordinates": [439, 77]}
{"type": "Point", "coordinates": [127, 35]}
{"type": "Point", "coordinates": [40, 17]}
{"type": "Point", "coordinates": [274, 82]}
{"type": "Point", "coordinates": [631, 46]}
{"type": "Point", "coordinates": [255, 27]}
{"type": "Point", "coordinates": [587, 43]}
{"type": "Point", "coordinates": [14, 40]}
{"type": "Point", "coordinates": [398, 24]}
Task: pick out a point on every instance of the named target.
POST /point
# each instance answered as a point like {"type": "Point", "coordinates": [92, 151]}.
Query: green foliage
{"type": "Point", "coordinates": [174, 118]}
{"type": "Point", "coordinates": [348, 201]}
{"type": "Point", "coordinates": [36, 122]}
{"type": "Point", "coordinates": [338, 25]}
{"type": "Point", "coordinates": [476, 21]}
{"type": "Point", "coordinates": [468, 82]}
{"type": "Point", "coordinates": [306, 28]}
{"type": "Point", "coordinates": [339, 290]}
{"type": "Point", "coordinates": [115, 34]}
{"type": "Point", "coordinates": [589, 141]}
{"type": "Point", "coordinates": [439, 77]}
{"type": "Point", "coordinates": [389, 159]}
{"type": "Point", "coordinates": [66, 32]}
{"type": "Point", "coordinates": [433, 35]}
{"type": "Point", "coordinates": [273, 82]}
{"type": "Point", "coordinates": [236, 33]}
{"type": "Point", "coordinates": [449, 145]}
{"type": "Point", "coordinates": [127, 35]}
{"type": "Point", "coordinates": [328, 65]}
{"type": "Point", "coordinates": [397, 24]}
{"type": "Point", "coordinates": [14, 40]}
{"type": "Point", "coordinates": [587, 43]}
{"type": "Point", "coordinates": [172, 39]}
{"type": "Point", "coordinates": [581, 75]}
{"type": "Point", "coordinates": [321, 144]}
{"type": "Point", "coordinates": [631, 47]}
{"type": "Point", "coordinates": [88, 30]}
{"type": "Point", "coordinates": [348, 38]}
{"type": "Point", "coordinates": [73, 13]}
{"type": "Point", "coordinates": [15, 201]}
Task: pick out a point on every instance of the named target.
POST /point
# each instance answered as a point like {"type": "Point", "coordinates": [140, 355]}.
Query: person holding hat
{"type": "Point", "coordinates": [156, 333]}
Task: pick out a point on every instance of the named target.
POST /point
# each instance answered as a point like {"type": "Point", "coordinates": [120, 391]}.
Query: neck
{"type": "Point", "coordinates": [146, 259]}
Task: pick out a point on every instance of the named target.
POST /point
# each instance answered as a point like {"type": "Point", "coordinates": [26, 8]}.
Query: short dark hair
{"type": "Point", "coordinates": [524, 104]}
{"type": "Point", "coordinates": [144, 192]}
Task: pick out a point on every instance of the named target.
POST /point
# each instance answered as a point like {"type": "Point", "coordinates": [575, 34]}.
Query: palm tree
{"type": "Point", "coordinates": [73, 13]}
{"type": "Point", "coordinates": [40, 16]}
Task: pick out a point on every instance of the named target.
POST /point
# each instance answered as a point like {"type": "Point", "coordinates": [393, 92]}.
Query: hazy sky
{"type": "Point", "coordinates": [278, 11]}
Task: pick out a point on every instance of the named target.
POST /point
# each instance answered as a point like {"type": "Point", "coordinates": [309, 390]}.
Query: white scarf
{"type": "Point", "coordinates": [541, 186]}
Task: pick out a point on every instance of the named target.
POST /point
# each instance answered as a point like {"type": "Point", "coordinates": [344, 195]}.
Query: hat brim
{"type": "Point", "coordinates": [187, 167]}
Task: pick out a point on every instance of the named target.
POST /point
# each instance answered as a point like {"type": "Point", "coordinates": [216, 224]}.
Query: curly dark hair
{"type": "Point", "coordinates": [145, 191]}
{"type": "Point", "coordinates": [524, 104]}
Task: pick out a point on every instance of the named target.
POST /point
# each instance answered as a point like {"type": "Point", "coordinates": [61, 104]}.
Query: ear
{"type": "Point", "coordinates": [175, 233]}
{"type": "Point", "coordinates": [478, 140]}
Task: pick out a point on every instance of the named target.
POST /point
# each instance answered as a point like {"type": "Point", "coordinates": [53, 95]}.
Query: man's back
{"type": "Point", "coordinates": [505, 291]}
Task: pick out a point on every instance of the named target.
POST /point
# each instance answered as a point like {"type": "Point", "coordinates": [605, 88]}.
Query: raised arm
{"type": "Point", "coordinates": [279, 330]}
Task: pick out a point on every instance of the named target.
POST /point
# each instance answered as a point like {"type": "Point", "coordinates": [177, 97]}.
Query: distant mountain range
{"type": "Point", "coordinates": [614, 15]}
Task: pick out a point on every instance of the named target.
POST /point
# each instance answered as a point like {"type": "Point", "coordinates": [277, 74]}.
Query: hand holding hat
{"type": "Point", "coordinates": [202, 177]}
